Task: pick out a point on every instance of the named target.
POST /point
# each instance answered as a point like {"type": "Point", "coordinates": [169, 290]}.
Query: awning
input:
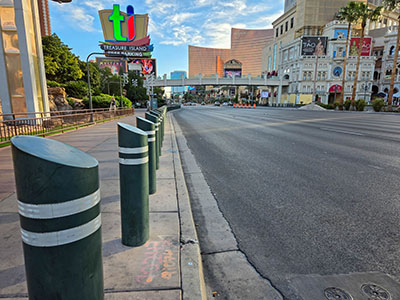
{"type": "Point", "coordinates": [336, 88]}
{"type": "Point", "coordinates": [381, 94]}
{"type": "Point", "coordinates": [397, 95]}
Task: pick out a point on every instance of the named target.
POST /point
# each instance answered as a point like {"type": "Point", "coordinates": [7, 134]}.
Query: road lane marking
{"type": "Point", "coordinates": [341, 131]}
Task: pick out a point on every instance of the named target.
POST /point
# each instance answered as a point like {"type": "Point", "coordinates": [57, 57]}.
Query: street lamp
{"type": "Point", "coordinates": [316, 70]}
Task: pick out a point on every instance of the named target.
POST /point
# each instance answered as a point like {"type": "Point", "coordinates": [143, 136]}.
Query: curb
{"type": "Point", "coordinates": [193, 284]}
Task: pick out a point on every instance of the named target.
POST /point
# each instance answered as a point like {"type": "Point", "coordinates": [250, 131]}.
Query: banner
{"type": "Point", "coordinates": [231, 73]}
{"type": "Point", "coordinates": [366, 47]}
{"type": "Point", "coordinates": [114, 64]}
{"type": "Point", "coordinates": [148, 65]}
{"type": "Point", "coordinates": [314, 45]}
{"type": "Point", "coordinates": [340, 34]}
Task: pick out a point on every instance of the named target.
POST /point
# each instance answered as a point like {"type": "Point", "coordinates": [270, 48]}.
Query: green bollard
{"type": "Point", "coordinates": [161, 111]}
{"type": "Point", "coordinates": [150, 128]}
{"type": "Point", "coordinates": [155, 120]}
{"type": "Point", "coordinates": [134, 184]}
{"type": "Point", "coordinates": [158, 115]}
{"type": "Point", "coordinates": [59, 207]}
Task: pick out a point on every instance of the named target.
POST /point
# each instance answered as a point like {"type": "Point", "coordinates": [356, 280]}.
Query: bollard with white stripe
{"type": "Point", "coordinates": [160, 120]}
{"type": "Point", "coordinates": [134, 184]}
{"type": "Point", "coordinates": [155, 120]}
{"type": "Point", "coordinates": [150, 128]}
{"type": "Point", "coordinates": [59, 207]}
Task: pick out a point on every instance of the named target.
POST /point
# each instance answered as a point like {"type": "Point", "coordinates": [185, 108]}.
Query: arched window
{"type": "Point", "coordinates": [391, 52]}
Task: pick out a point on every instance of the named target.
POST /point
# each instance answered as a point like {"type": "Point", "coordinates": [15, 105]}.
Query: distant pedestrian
{"type": "Point", "coordinates": [112, 104]}
{"type": "Point", "coordinates": [148, 105]}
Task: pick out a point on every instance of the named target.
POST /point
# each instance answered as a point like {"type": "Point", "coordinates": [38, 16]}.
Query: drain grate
{"type": "Point", "coordinates": [375, 292]}
{"type": "Point", "coordinates": [333, 293]}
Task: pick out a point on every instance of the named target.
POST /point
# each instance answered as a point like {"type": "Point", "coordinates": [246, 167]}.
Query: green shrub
{"type": "Point", "coordinates": [101, 101]}
{"type": "Point", "coordinates": [76, 89]}
{"type": "Point", "coordinates": [127, 103]}
{"type": "Point", "coordinates": [338, 105]}
{"type": "Point", "coordinates": [347, 104]}
{"type": "Point", "coordinates": [53, 84]}
{"type": "Point", "coordinates": [360, 104]}
{"type": "Point", "coordinates": [326, 106]}
{"type": "Point", "coordinates": [378, 104]}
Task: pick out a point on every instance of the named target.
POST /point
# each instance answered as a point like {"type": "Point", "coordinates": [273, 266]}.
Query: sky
{"type": "Point", "coordinates": [173, 25]}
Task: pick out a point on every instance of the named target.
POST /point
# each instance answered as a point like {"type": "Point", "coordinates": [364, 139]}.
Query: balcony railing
{"type": "Point", "coordinates": [43, 124]}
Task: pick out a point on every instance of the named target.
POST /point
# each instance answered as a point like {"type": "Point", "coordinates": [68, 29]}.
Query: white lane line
{"type": "Point", "coordinates": [341, 131]}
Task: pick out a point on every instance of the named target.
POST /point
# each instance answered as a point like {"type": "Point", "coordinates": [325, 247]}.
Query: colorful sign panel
{"type": "Point", "coordinates": [366, 47]}
{"type": "Point", "coordinates": [340, 34]}
{"type": "Point", "coordinates": [314, 45]}
{"type": "Point", "coordinates": [125, 33]}
{"type": "Point", "coordinates": [114, 64]}
{"type": "Point", "coordinates": [232, 73]}
{"type": "Point", "coordinates": [148, 65]}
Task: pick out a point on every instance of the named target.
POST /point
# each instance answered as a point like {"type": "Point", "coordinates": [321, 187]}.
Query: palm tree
{"type": "Point", "coordinates": [391, 5]}
{"type": "Point", "coordinates": [346, 13]}
{"type": "Point", "coordinates": [363, 13]}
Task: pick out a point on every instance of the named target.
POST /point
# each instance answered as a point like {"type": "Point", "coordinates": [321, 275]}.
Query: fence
{"type": "Point", "coordinates": [42, 124]}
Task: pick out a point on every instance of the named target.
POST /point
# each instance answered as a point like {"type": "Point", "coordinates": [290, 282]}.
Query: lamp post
{"type": "Point", "coordinates": [315, 74]}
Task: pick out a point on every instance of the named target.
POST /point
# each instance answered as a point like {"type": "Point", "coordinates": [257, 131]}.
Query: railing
{"type": "Point", "coordinates": [42, 124]}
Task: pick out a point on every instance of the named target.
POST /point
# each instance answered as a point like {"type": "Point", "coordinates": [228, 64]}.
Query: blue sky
{"type": "Point", "coordinates": [174, 24]}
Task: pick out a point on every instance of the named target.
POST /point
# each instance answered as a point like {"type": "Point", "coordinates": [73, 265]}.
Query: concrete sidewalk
{"type": "Point", "coordinates": [168, 266]}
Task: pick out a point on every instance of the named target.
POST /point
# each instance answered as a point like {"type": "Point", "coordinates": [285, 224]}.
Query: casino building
{"type": "Point", "coordinates": [246, 49]}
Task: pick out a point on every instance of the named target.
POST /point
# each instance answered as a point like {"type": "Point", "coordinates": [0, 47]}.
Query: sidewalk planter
{"type": "Point", "coordinates": [59, 207]}
{"type": "Point", "coordinates": [134, 184]}
{"type": "Point", "coordinates": [150, 129]}
{"type": "Point", "coordinates": [156, 121]}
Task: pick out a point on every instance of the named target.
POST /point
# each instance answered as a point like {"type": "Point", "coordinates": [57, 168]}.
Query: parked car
{"type": "Point", "coordinates": [203, 103]}
{"type": "Point", "coordinates": [230, 103]}
{"type": "Point", "coordinates": [225, 104]}
{"type": "Point", "coordinates": [216, 103]}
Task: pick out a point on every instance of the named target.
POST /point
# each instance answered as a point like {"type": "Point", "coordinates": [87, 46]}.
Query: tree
{"type": "Point", "coordinates": [135, 93]}
{"type": "Point", "coordinates": [392, 5]}
{"type": "Point", "coordinates": [346, 13]}
{"type": "Point", "coordinates": [363, 13]}
{"type": "Point", "coordinates": [95, 77]}
{"type": "Point", "coordinates": [60, 63]}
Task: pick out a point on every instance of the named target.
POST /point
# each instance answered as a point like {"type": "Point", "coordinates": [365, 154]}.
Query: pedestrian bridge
{"type": "Point", "coordinates": [274, 81]}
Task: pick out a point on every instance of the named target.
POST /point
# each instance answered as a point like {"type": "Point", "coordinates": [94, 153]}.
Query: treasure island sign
{"type": "Point", "coordinates": [125, 34]}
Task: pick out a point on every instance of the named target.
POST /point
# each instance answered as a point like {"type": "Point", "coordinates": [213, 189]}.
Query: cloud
{"type": "Point", "coordinates": [180, 18]}
{"type": "Point", "coordinates": [183, 35]}
{"type": "Point", "coordinates": [76, 16]}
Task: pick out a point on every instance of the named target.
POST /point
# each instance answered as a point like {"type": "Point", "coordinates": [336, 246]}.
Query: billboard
{"type": "Point", "coordinates": [340, 34]}
{"type": "Point", "coordinates": [366, 47]}
{"type": "Point", "coordinates": [114, 64]}
{"type": "Point", "coordinates": [314, 45]}
{"type": "Point", "coordinates": [231, 73]}
{"type": "Point", "coordinates": [148, 65]}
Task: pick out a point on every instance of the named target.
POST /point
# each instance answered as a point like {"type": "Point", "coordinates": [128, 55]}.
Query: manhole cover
{"type": "Point", "coordinates": [375, 292]}
{"type": "Point", "coordinates": [333, 293]}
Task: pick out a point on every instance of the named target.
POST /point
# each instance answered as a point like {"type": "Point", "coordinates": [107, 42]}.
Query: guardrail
{"type": "Point", "coordinates": [42, 124]}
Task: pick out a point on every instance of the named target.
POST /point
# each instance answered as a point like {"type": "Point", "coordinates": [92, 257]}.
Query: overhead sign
{"type": "Point", "coordinates": [114, 64]}
{"type": "Point", "coordinates": [314, 45]}
{"type": "Point", "coordinates": [233, 73]}
{"type": "Point", "coordinates": [125, 33]}
{"type": "Point", "coordinates": [366, 47]}
{"type": "Point", "coordinates": [148, 65]}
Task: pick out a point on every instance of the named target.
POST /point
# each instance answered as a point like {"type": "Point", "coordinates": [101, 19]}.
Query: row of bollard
{"type": "Point", "coordinates": [59, 206]}
{"type": "Point", "coordinates": [244, 105]}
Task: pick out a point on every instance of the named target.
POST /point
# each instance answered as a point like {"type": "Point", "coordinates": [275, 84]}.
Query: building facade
{"type": "Point", "coordinates": [178, 90]}
{"type": "Point", "coordinates": [44, 17]}
{"type": "Point", "coordinates": [311, 74]}
{"type": "Point", "coordinates": [246, 47]}
{"type": "Point", "coordinates": [22, 74]}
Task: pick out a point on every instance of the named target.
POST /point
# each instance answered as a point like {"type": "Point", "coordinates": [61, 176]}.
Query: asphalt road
{"type": "Point", "coordinates": [305, 192]}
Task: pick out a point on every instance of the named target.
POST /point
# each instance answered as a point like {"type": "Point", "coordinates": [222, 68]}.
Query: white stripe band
{"type": "Point", "coordinates": [157, 129]}
{"type": "Point", "coordinates": [151, 132]}
{"type": "Point", "coordinates": [133, 161]}
{"type": "Point", "coordinates": [137, 150]}
{"type": "Point", "coordinates": [152, 139]}
{"type": "Point", "coordinates": [57, 210]}
{"type": "Point", "coordinates": [58, 238]}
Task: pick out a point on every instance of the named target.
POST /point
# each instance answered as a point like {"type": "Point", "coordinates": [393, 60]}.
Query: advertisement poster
{"type": "Point", "coordinates": [340, 34]}
{"type": "Point", "coordinates": [148, 65]}
{"type": "Point", "coordinates": [114, 64]}
{"type": "Point", "coordinates": [231, 73]}
{"type": "Point", "coordinates": [313, 45]}
{"type": "Point", "coordinates": [366, 47]}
